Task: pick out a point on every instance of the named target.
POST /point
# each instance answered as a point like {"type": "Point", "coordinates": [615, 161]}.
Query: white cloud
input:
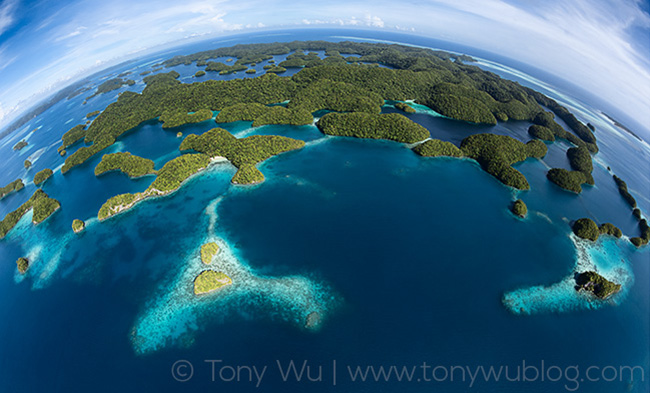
{"type": "Point", "coordinates": [7, 10]}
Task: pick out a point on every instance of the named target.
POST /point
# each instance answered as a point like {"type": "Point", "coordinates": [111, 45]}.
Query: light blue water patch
{"type": "Point", "coordinates": [176, 313]}
{"type": "Point", "coordinates": [605, 257]}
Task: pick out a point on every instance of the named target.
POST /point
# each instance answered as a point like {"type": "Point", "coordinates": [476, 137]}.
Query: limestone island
{"type": "Point", "coordinates": [208, 251]}
{"type": "Point", "coordinates": [132, 166]}
{"type": "Point", "coordinates": [92, 114]}
{"type": "Point", "coordinates": [404, 107]}
{"type": "Point", "coordinates": [22, 264]}
{"type": "Point", "coordinates": [42, 205]}
{"type": "Point", "coordinates": [14, 186]}
{"type": "Point", "coordinates": [209, 281]}
{"type": "Point", "coordinates": [78, 225]}
{"type": "Point", "coordinates": [519, 208]}
{"type": "Point", "coordinates": [20, 145]}
{"type": "Point", "coordinates": [27, 164]}
{"type": "Point", "coordinates": [42, 176]}
{"type": "Point", "coordinates": [72, 136]}
{"type": "Point", "coordinates": [596, 284]}
{"type": "Point", "coordinates": [586, 228]}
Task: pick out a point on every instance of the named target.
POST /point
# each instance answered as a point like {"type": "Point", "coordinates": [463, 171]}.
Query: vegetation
{"type": "Point", "coordinates": [92, 114]}
{"type": "Point", "coordinates": [224, 69]}
{"type": "Point", "coordinates": [78, 225]}
{"type": "Point", "coordinates": [569, 180]}
{"type": "Point", "coordinates": [27, 164]}
{"type": "Point", "coordinates": [22, 264]}
{"type": "Point", "coordinates": [42, 176]}
{"type": "Point", "coordinates": [20, 145]}
{"type": "Point", "coordinates": [208, 251]}
{"type": "Point", "coordinates": [71, 137]}
{"type": "Point", "coordinates": [595, 283]}
{"type": "Point", "coordinates": [610, 229]}
{"type": "Point", "coordinates": [210, 280]}
{"type": "Point", "coordinates": [110, 85]}
{"type": "Point", "coordinates": [580, 160]}
{"type": "Point", "coordinates": [177, 119]}
{"type": "Point", "coordinates": [325, 94]}
{"type": "Point", "coordinates": [42, 205]}
{"type": "Point", "coordinates": [436, 147]}
{"type": "Point", "coordinates": [276, 70]}
{"type": "Point", "coordinates": [251, 71]}
{"type": "Point", "coordinates": [541, 132]}
{"type": "Point", "coordinates": [133, 166]}
{"type": "Point", "coordinates": [461, 108]}
{"type": "Point", "coordinates": [636, 212]}
{"type": "Point", "coordinates": [622, 189]}
{"type": "Point", "coordinates": [391, 126]}
{"type": "Point", "coordinates": [14, 186]}
{"type": "Point", "coordinates": [262, 114]}
{"type": "Point", "coordinates": [586, 228]}
{"type": "Point", "coordinates": [169, 179]}
{"type": "Point", "coordinates": [645, 234]}
{"type": "Point", "coordinates": [199, 73]}
{"type": "Point", "coordinates": [404, 107]}
{"type": "Point", "coordinates": [242, 153]}
{"type": "Point", "coordinates": [497, 154]}
{"type": "Point", "coordinates": [519, 208]}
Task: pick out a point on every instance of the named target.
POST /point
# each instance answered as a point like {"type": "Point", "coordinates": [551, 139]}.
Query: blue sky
{"type": "Point", "coordinates": [602, 46]}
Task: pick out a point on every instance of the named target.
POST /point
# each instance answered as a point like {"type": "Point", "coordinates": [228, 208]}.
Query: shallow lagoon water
{"type": "Point", "coordinates": [408, 260]}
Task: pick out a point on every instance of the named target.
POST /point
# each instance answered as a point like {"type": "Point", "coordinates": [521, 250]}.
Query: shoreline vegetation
{"type": "Point", "coordinates": [42, 205]}
{"type": "Point", "coordinates": [78, 225]}
{"type": "Point", "coordinates": [14, 186]}
{"type": "Point", "coordinates": [459, 91]}
{"type": "Point", "coordinates": [598, 285]}
{"type": "Point", "coordinates": [42, 176]}
{"type": "Point", "coordinates": [132, 166]}
{"type": "Point", "coordinates": [209, 281]}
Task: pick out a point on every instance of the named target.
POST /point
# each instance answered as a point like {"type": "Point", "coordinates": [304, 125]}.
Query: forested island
{"type": "Point", "coordinates": [14, 186]}
{"type": "Point", "coordinates": [209, 280]}
{"type": "Point", "coordinates": [112, 84]}
{"type": "Point", "coordinates": [132, 166]}
{"type": "Point", "coordinates": [595, 283]}
{"type": "Point", "coordinates": [42, 205]}
{"type": "Point", "coordinates": [20, 145]}
{"type": "Point", "coordinates": [41, 176]}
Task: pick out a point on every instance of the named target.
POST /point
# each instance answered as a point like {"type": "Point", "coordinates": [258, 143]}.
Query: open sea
{"type": "Point", "coordinates": [409, 262]}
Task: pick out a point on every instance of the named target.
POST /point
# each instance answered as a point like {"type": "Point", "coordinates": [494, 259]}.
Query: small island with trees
{"type": "Point", "coordinates": [596, 284]}
{"type": "Point", "coordinates": [14, 186]}
{"type": "Point", "coordinates": [209, 281]}
{"type": "Point", "coordinates": [20, 145]}
{"type": "Point", "coordinates": [42, 176]}
{"type": "Point", "coordinates": [42, 205]}
{"type": "Point", "coordinates": [22, 264]}
{"type": "Point", "coordinates": [78, 225]}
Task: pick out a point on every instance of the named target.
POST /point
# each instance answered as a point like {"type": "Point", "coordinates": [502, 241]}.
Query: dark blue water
{"type": "Point", "coordinates": [407, 260]}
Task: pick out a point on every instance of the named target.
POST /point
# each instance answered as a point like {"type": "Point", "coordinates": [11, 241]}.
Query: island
{"type": "Point", "coordinates": [497, 154]}
{"type": "Point", "coordinates": [541, 132]}
{"type": "Point", "coordinates": [251, 71]}
{"type": "Point", "coordinates": [644, 239]}
{"type": "Point", "coordinates": [42, 205]}
{"type": "Point", "coordinates": [598, 285]}
{"type": "Point", "coordinates": [14, 186]}
{"type": "Point", "coordinates": [519, 208]}
{"type": "Point", "coordinates": [177, 119]}
{"type": "Point", "coordinates": [169, 179]}
{"type": "Point", "coordinates": [580, 160]}
{"type": "Point", "coordinates": [92, 114]}
{"type": "Point", "coordinates": [390, 126]}
{"type": "Point", "coordinates": [110, 85]}
{"type": "Point", "coordinates": [72, 136]}
{"type": "Point", "coordinates": [422, 75]}
{"type": "Point", "coordinates": [132, 166]}
{"type": "Point", "coordinates": [20, 145]}
{"type": "Point", "coordinates": [27, 164]}
{"type": "Point", "coordinates": [262, 115]}
{"type": "Point", "coordinates": [437, 148]}
{"type": "Point", "coordinates": [224, 69]}
{"type": "Point", "coordinates": [243, 153]}
{"type": "Point", "coordinates": [610, 229]}
{"type": "Point", "coordinates": [78, 225]}
{"type": "Point", "coordinates": [42, 176]}
{"type": "Point", "coordinates": [404, 107]}
{"type": "Point", "coordinates": [209, 281]}
{"type": "Point", "coordinates": [23, 264]}
{"type": "Point", "coordinates": [568, 180]}
{"type": "Point", "coordinates": [622, 189]}
{"type": "Point", "coordinates": [586, 228]}
{"type": "Point", "coordinates": [208, 251]}
{"type": "Point", "coordinates": [199, 73]}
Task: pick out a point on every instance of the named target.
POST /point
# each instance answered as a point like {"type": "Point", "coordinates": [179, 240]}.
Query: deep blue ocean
{"type": "Point", "coordinates": [410, 262]}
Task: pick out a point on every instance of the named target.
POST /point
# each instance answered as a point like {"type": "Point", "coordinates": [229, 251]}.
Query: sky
{"type": "Point", "coordinates": [602, 46]}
